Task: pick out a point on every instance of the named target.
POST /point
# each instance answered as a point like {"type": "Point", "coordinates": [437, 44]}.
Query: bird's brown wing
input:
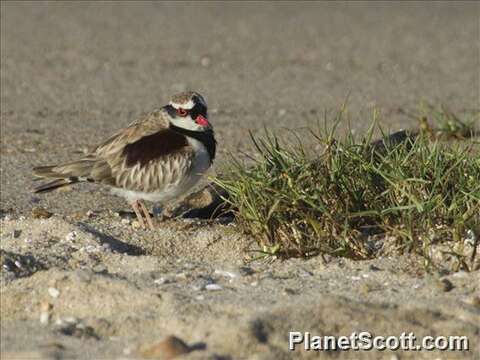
{"type": "Point", "coordinates": [145, 156]}
{"type": "Point", "coordinates": [149, 124]}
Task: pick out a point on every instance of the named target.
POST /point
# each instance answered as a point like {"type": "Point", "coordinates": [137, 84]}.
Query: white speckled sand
{"type": "Point", "coordinates": [85, 284]}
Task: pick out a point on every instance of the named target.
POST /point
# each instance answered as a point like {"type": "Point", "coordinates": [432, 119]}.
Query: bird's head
{"type": "Point", "coordinates": [188, 110]}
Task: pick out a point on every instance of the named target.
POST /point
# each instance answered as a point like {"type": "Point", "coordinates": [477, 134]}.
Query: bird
{"type": "Point", "coordinates": [159, 157]}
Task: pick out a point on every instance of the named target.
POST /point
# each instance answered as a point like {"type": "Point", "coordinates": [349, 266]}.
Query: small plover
{"type": "Point", "coordinates": [158, 157]}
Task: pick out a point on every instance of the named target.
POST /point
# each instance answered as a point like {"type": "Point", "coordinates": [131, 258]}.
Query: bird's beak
{"type": "Point", "coordinates": [202, 121]}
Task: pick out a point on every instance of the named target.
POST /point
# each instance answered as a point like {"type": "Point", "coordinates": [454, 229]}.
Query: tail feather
{"type": "Point", "coordinates": [45, 172]}
{"type": "Point", "coordinates": [55, 184]}
{"type": "Point", "coordinates": [63, 175]}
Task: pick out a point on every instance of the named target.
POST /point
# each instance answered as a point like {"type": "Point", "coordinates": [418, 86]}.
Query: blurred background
{"type": "Point", "coordinates": [74, 72]}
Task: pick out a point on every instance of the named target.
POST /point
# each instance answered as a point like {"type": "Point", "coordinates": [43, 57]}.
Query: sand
{"type": "Point", "coordinates": [85, 284]}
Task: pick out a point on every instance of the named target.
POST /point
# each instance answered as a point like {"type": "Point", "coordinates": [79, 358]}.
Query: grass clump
{"type": "Point", "coordinates": [351, 197]}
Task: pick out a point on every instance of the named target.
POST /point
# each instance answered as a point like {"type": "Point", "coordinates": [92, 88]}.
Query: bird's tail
{"type": "Point", "coordinates": [63, 175]}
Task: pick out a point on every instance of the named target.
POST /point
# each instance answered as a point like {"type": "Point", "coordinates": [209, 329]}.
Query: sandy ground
{"type": "Point", "coordinates": [84, 284]}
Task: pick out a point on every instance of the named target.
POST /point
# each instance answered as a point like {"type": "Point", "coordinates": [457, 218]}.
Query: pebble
{"type": "Point", "coordinates": [71, 235]}
{"type": "Point", "coordinates": [45, 312]}
{"type": "Point", "coordinates": [67, 320]}
{"type": "Point", "coordinates": [470, 237]}
{"type": "Point", "coordinates": [181, 276]}
{"type": "Point", "coordinates": [167, 349]}
{"type": "Point", "coordinates": [16, 233]}
{"type": "Point", "coordinates": [246, 271]}
{"type": "Point", "coordinates": [92, 248]}
{"type": "Point", "coordinates": [136, 224]}
{"type": "Point", "coordinates": [160, 281]}
{"type": "Point", "coordinates": [53, 292]}
{"type": "Point", "coordinates": [41, 213]}
{"type": "Point", "coordinates": [213, 287]}
{"type": "Point", "coordinates": [374, 268]}
{"type": "Point", "coordinates": [126, 221]}
{"type": "Point", "coordinates": [445, 285]}
{"type": "Point", "coordinates": [475, 301]}
{"type": "Point", "coordinates": [282, 112]}
{"type": "Point", "coordinates": [227, 273]}
{"type": "Point", "coordinates": [205, 61]}
{"type": "Point", "coordinates": [289, 291]}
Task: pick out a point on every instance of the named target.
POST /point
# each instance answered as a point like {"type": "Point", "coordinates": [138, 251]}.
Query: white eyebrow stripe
{"type": "Point", "coordinates": [188, 105]}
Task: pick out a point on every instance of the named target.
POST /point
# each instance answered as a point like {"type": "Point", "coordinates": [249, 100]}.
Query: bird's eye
{"type": "Point", "coordinates": [182, 112]}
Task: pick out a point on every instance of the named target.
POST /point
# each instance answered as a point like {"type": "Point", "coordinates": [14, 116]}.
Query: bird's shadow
{"type": "Point", "coordinates": [114, 244]}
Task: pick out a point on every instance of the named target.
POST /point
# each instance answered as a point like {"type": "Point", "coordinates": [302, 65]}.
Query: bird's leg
{"type": "Point", "coordinates": [147, 215]}
{"type": "Point", "coordinates": [137, 212]}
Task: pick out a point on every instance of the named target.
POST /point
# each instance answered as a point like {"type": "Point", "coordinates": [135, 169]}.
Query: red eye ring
{"type": "Point", "coordinates": [182, 112]}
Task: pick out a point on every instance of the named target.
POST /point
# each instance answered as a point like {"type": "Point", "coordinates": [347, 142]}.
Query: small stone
{"type": "Point", "coordinates": [205, 61]}
{"type": "Point", "coordinates": [16, 233]}
{"type": "Point", "coordinates": [45, 312]}
{"type": "Point", "coordinates": [470, 238]}
{"type": "Point", "coordinates": [53, 292]}
{"type": "Point", "coordinates": [213, 287]}
{"type": "Point", "coordinates": [445, 285]}
{"type": "Point", "coordinates": [64, 189]}
{"type": "Point", "coordinates": [374, 268]}
{"type": "Point", "coordinates": [165, 280]}
{"type": "Point", "coordinates": [167, 349]}
{"type": "Point", "coordinates": [71, 235]}
{"type": "Point", "coordinates": [77, 215]}
{"type": "Point", "coordinates": [90, 213]}
{"type": "Point", "coordinates": [227, 273]}
{"type": "Point", "coordinates": [126, 221]}
{"type": "Point", "coordinates": [136, 225]}
{"type": "Point", "coordinates": [41, 213]}
{"type": "Point", "coordinates": [91, 248]}
{"type": "Point", "coordinates": [476, 301]}
{"type": "Point", "coordinates": [289, 291]}
{"type": "Point", "coordinates": [245, 271]}
{"type": "Point", "coordinates": [281, 112]}
{"type": "Point", "coordinates": [181, 276]}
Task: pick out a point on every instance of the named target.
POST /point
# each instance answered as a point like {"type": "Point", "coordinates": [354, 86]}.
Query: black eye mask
{"type": "Point", "coordinates": [198, 109]}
